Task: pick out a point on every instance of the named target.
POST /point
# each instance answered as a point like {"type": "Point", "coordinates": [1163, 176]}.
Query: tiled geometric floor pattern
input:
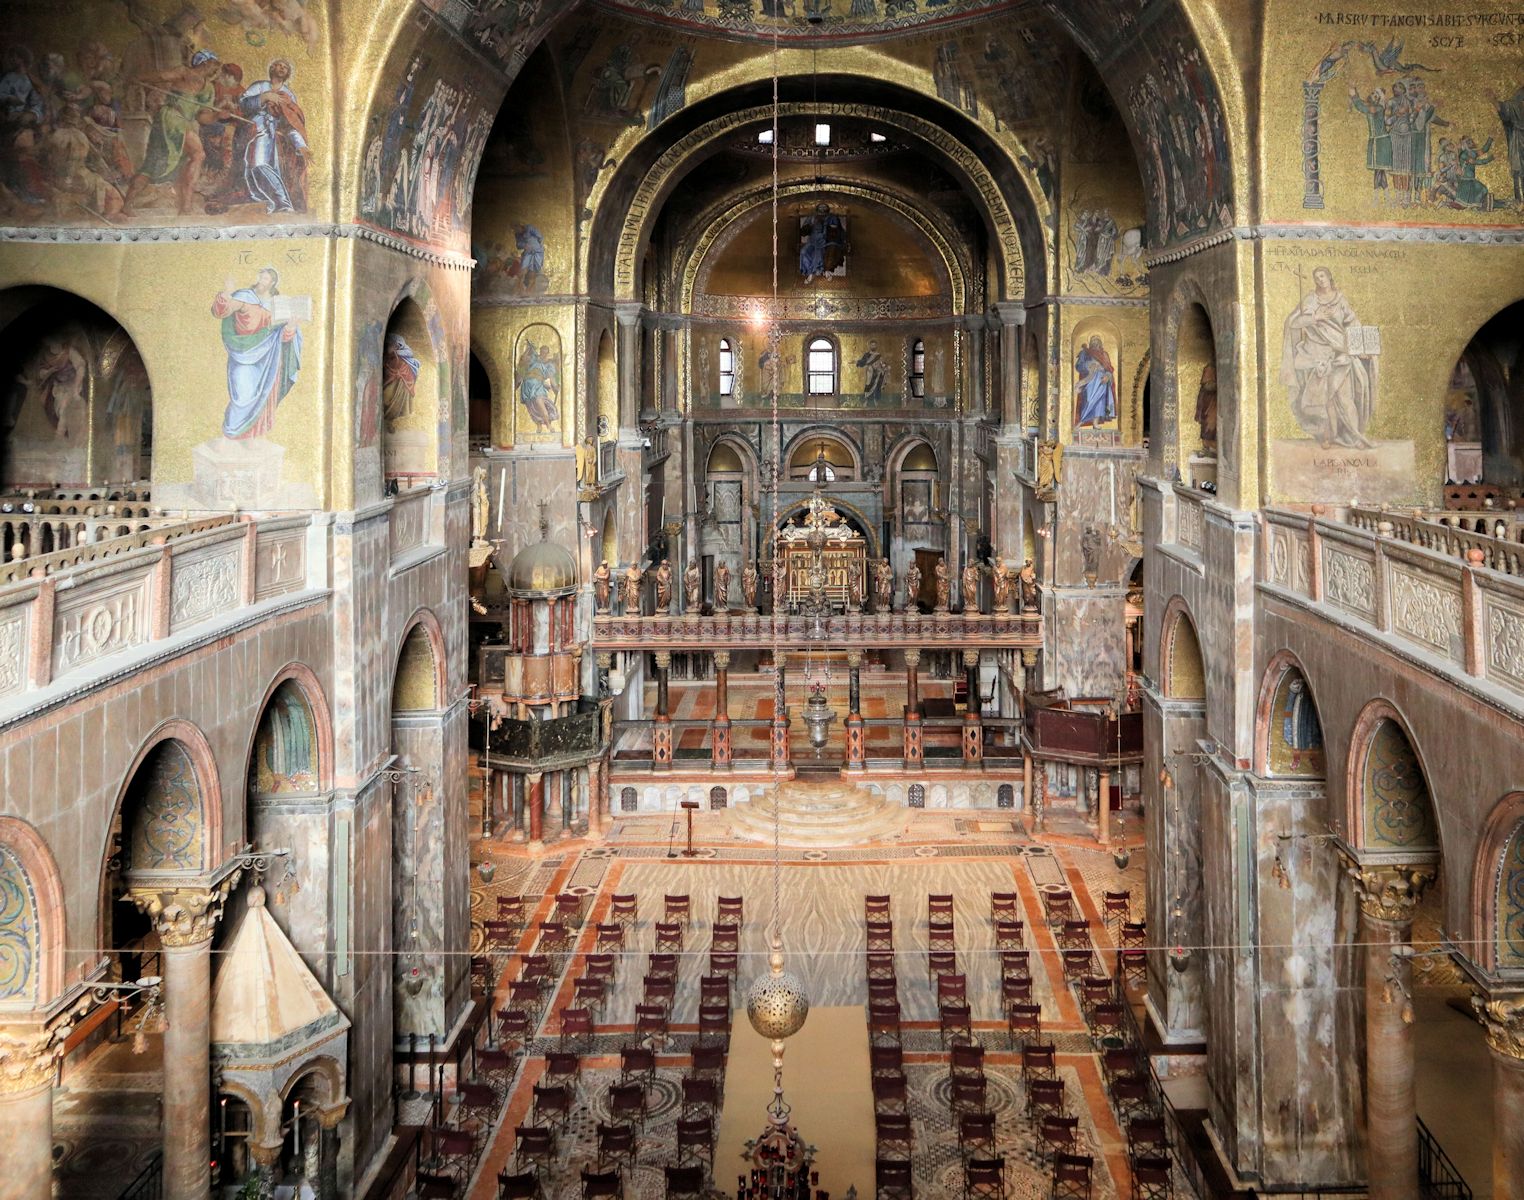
{"type": "Point", "coordinates": [821, 904]}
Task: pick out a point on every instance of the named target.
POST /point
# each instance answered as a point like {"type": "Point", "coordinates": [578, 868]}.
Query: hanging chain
{"type": "Point", "coordinates": [774, 348]}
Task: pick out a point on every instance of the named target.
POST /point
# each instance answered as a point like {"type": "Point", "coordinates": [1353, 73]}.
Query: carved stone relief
{"type": "Point", "coordinates": [1350, 583]}
{"type": "Point", "coordinates": [203, 587]}
{"type": "Point", "coordinates": [1426, 612]}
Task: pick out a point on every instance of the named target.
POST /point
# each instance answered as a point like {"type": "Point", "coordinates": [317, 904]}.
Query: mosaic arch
{"type": "Point", "coordinates": [1510, 903]}
{"type": "Point", "coordinates": [1184, 673]}
{"type": "Point", "coordinates": [286, 760]}
{"type": "Point", "coordinates": [416, 686]}
{"type": "Point", "coordinates": [1293, 733]}
{"type": "Point", "coordinates": [20, 936]}
{"type": "Point", "coordinates": [1397, 811]}
{"type": "Point", "coordinates": [165, 811]}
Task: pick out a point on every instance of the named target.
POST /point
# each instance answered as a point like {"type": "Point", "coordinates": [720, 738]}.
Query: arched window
{"type": "Point", "coordinates": [820, 366]}
{"type": "Point", "coordinates": [727, 368]}
{"type": "Point", "coordinates": [918, 369]}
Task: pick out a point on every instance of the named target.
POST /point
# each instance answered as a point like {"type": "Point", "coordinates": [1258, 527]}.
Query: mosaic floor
{"type": "Point", "coordinates": [820, 896]}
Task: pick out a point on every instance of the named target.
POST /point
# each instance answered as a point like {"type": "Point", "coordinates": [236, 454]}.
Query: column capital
{"type": "Point", "coordinates": [187, 914]}
{"type": "Point", "coordinates": [1011, 312]}
{"type": "Point", "coordinates": [1503, 1022]}
{"type": "Point", "coordinates": [722, 660]}
{"type": "Point", "coordinates": [1390, 891]}
{"type": "Point", "coordinates": [604, 659]}
{"type": "Point", "coordinates": [971, 658]}
{"type": "Point", "coordinates": [628, 312]}
{"type": "Point", "coordinates": [29, 1057]}
{"type": "Point", "coordinates": [1029, 656]}
{"type": "Point", "coordinates": [663, 659]}
{"type": "Point", "coordinates": [854, 659]}
{"type": "Point", "coordinates": [912, 659]}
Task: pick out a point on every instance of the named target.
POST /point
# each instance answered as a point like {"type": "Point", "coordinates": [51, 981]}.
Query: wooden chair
{"type": "Point", "coordinates": [1106, 1021]}
{"type": "Point", "coordinates": [890, 1094]}
{"type": "Point", "coordinates": [709, 1062]}
{"type": "Point", "coordinates": [1120, 1060]}
{"type": "Point", "coordinates": [576, 1027]}
{"type": "Point", "coordinates": [894, 1134]}
{"type": "Point", "coordinates": [880, 935]}
{"type": "Point", "coordinates": [499, 935]}
{"type": "Point", "coordinates": [554, 939]}
{"type": "Point", "coordinates": [1023, 1023]}
{"type": "Point", "coordinates": [968, 1093]}
{"type": "Point", "coordinates": [552, 1104]}
{"type": "Point", "coordinates": [881, 965]}
{"type": "Point", "coordinates": [984, 1179]}
{"type": "Point", "coordinates": [677, 909]}
{"type": "Point", "coordinates": [523, 1185]}
{"type": "Point", "coordinates": [624, 908]}
{"type": "Point", "coordinates": [534, 1144]}
{"type": "Point", "coordinates": [1077, 964]}
{"type": "Point", "coordinates": [637, 1064]}
{"type": "Point", "coordinates": [726, 938]}
{"type": "Point", "coordinates": [569, 909]}
{"type": "Point", "coordinates": [976, 1134]}
{"type": "Point", "coordinates": [476, 1100]}
{"type": "Point", "coordinates": [941, 935]}
{"type": "Point", "coordinates": [494, 1063]}
{"type": "Point", "coordinates": [610, 938]}
{"type": "Point", "coordinates": [883, 990]}
{"type": "Point", "coordinates": [685, 1182]}
{"type": "Point", "coordinates": [1057, 906]}
{"type": "Point", "coordinates": [1134, 933]}
{"type": "Point", "coordinates": [1015, 991]}
{"type": "Point", "coordinates": [955, 1021]}
{"type": "Point", "coordinates": [626, 1103]}
{"type": "Point", "coordinates": [1147, 1136]}
{"type": "Point", "coordinates": [511, 909]}
{"type": "Point", "coordinates": [1133, 1096]}
{"type": "Point", "coordinates": [1016, 964]}
{"type": "Point", "coordinates": [651, 1022]}
{"type": "Point", "coordinates": [1004, 906]}
{"type": "Point", "coordinates": [562, 1067]}
{"type": "Point", "coordinates": [599, 966]}
{"type": "Point", "coordinates": [601, 1184]}
{"type": "Point", "coordinates": [714, 1022]}
{"type": "Point", "coordinates": [669, 936]}
{"type": "Point", "coordinates": [939, 907]}
{"type": "Point", "coordinates": [941, 962]}
{"type": "Point", "coordinates": [1057, 1135]}
{"type": "Point", "coordinates": [515, 1025]}
{"type": "Point", "coordinates": [664, 965]}
{"type": "Point", "coordinates": [952, 989]}
{"type": "Point", "coordinates": [714, 989]}
{"type": "Point", "coordinates": [967, 1059]}
{"type": "Point", "coordinates": [526, 995]}
{"type": "Point", "coordinates": [701, 1097]}
{"type": "Point", "coordinates": [893, 1179]}
{"type": "Point", "coordinates": [1094, 990]}
{"type": "Point", "coordinates": [537, 968]}
{"type": "Point", "coordinates": [1071, 1177]}
{"type": "Point", "coordinates": [1132, 965]}
{"type": "Point", "coordinates": [886, 1059]}
{"type": "Point", "coordinates": [875, 908]}
{"type": "Point", "coordinates": [1045, 1098]}
{"type": "Point", "coordinates": [724, 963]}
{"type": "Point", "coordinates": [729, 910]}
{"type": "Point", "coordinates": [589, 993]}
{"type": "Point", "coordinates": [1116, 906]}
{"type": "Point", "coordinates": [1038, 1061]}
{"type": "Point", "coordinates": [1010, 935]}
{"type": "Point", "coordinates": [453, 1147]}
{"type": "Point", "coordinates": [1074, 935]}
{"type": "Point", "coordinates": [695, 1139]}
{"type": "Point", "coordinates": [1152, 1178]}
{"type": "Point", "coordinates": [659, 989]}
{"type": "Point", "coordinates": [616, 1144]}
{"type": "Point", "coordinates": [884, 1020]}
{"type": "Point", "coordinates": [481, 973]}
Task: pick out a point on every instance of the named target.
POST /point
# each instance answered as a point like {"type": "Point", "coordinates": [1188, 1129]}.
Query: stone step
{"type": "Point", "coordinates": [818, 814]}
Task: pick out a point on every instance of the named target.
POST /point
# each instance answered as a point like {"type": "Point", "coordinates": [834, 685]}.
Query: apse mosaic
{"type": "Point", "coordinates": [1511, 903]}
{"type": "Point", "coordinates": [164, 811]}
{"type": "Point", "coordinates": [1295, 735]}
{"type": "Point", "coordinates": [1398, 812]}
{"type": "Point", "coordinates": [285, 750]}
{"type": "Point", "coordinates": [20, 945]}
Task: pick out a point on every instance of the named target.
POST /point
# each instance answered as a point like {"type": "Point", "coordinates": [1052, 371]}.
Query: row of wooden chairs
{"type": "Point", "coordinates": [624, 909]}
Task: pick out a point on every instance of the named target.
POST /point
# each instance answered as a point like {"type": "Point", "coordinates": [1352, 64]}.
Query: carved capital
{"type": "Point", "coordinates": [184, 916]}
{"type": "Point", "coordinates": [605, 660]}
{"type": "Point", "coordinates": [854, 658]}
{"type": "Point", "coordinates": [1391, 891]}
{"type": "Point", "coordinates": [1029, 656]}
{"type": "Point", "coordinates": [912, 659]}
{"type": "Point", "coordinates": [663, 659]}
{"type": "Point", "coordinates": [971, 658]}
{"type": "Point", "coordinates": [1503, 1022]}
{"type": "Point", "coordinates": [29, 1057]}
{"type": "Point", "coordinates": [722, 660]}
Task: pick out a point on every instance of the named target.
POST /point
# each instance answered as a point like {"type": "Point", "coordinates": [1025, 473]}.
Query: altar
{"type": "Point", "coordinates": [825, 1080]}
{"type": "Point", "coordinates": [842, 551]}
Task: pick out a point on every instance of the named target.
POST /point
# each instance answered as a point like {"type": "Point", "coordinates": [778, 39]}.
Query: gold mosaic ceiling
{"type": "Point", "coordinates": [795, 21]}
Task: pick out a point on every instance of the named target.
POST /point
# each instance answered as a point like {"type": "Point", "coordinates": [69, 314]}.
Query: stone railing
{"type": "Point", "coordinates": [31, 528]}
{"type": "Point", "coordinates": [656, 445]}
{"type": "Point", "coordinates": [99, 539]}
{"type": "Point", "coordinates": [1428, 585]}
{"type": "Point", "coordinates": [1452, 534]}
{"type": "Point", "coordinates": [76, 607]}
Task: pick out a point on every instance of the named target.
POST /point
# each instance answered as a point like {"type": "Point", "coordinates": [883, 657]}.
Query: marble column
{"type": "Point", "coordinates": [1103, 812]}
{"type": "Point", "coordinates": [1503, 1021]}
{"type": "Point", "coordinates": [28, 1066]}
{"type": "Point", "coordinates": [973, 723]}
{"type": "Point", "coordinates": [535, 802]}
{"type": "Point", "coordinates": [780, 717]}
{"type": "Point", "coordinates": [720, 726]}
{"type": "Point", "coordinates": [857, 750]}
{"type": "Point", "coordinates": [661, 731]}
{"type": "Point", "coordinates": [627, 315]}
{"type": "Point", "coordinates": [597, 789]}
{"type": "Point", "coordinates": [1389, 894]}
{"type": "Point", "coordinates": [185, 919]}
{"type": "Point", "coordinates": [913, 749]}
{"type": "Point", "coordinates": [1012, 315]}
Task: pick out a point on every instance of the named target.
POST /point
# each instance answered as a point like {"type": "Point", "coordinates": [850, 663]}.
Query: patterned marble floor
{"type": "Point", "coordinates": [821, 904]}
